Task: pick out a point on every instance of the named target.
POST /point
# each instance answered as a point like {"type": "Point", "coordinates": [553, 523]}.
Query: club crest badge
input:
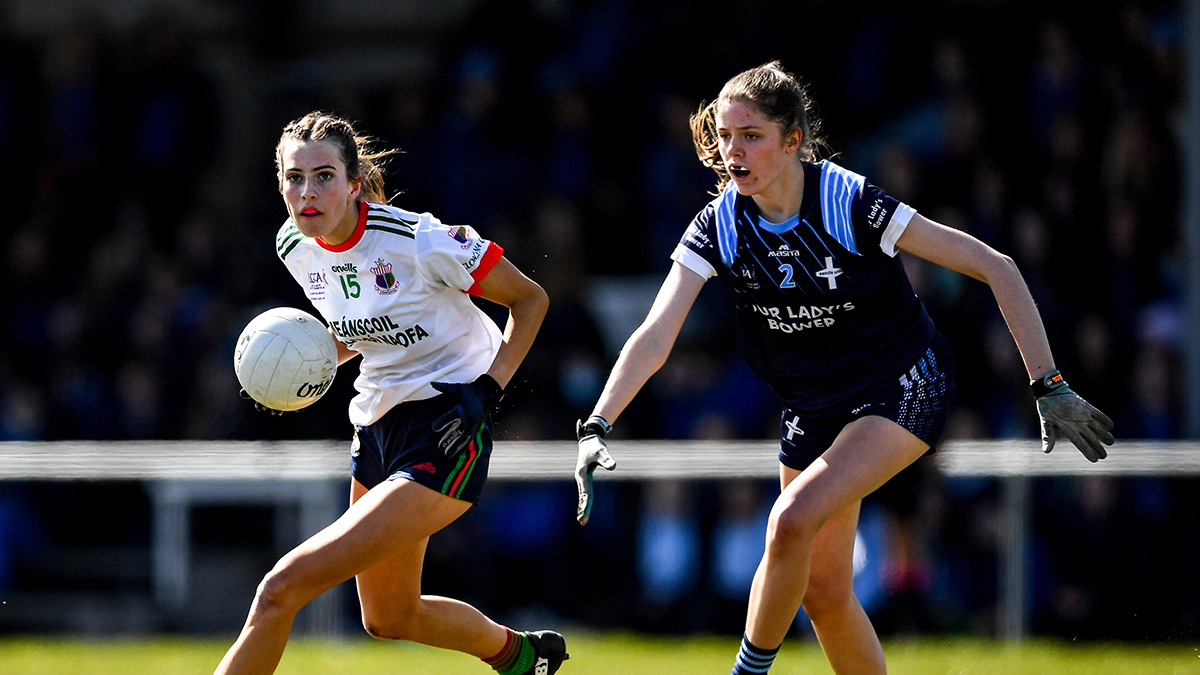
{"type": "Point", "coordinates": [385, 281]}
{"type": "Point", "coordinates": [460, 235]}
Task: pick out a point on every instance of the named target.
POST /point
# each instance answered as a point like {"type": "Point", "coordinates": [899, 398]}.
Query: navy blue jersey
{"type": "Point", "coordinates": [824, 308]}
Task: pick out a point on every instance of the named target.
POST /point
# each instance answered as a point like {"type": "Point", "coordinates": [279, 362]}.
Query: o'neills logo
{"type": "Point", "coordinates": [385, 281]}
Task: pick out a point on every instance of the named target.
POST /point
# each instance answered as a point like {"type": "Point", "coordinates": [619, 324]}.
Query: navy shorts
{"type": "Point", "coordinates": [403, 445]}
{"type": "Point", "coordinates": [918, 399]}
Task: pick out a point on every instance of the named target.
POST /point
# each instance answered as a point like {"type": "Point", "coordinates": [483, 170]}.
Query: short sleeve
{"type": "Point", "coordinates": [455, 255]}
{"type": "Point", "coordinates": [879, 219]}
{"type": "Point", "coordinates": [698, 249]}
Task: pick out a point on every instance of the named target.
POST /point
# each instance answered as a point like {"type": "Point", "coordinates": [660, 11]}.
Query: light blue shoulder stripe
{"type": "Point", "coordinates": [725, 210]}
{"type": "Point", "coordinates": [838, 189]}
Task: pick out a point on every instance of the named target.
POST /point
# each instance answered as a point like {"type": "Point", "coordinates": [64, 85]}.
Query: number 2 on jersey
{"type": "Point", "coordinates": [349, 286]}
{"type": "Point", "coordinates": [787, 277]}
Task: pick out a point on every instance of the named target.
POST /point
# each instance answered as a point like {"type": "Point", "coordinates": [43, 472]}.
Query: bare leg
{"type": "Point", "coordinates": [864, 456]}
{"type": "Point", "coordinates": [393, 517]}
{"type": "Point", "coordinates": [394, 609]}
{"type": "Point", "coordinates": [842, 627]}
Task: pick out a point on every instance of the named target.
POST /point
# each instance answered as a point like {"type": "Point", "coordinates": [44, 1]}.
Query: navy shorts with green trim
{"type": "Point", "coordinates": [403, 445]}
{"type": "Point", "coordinates": [917, 398]}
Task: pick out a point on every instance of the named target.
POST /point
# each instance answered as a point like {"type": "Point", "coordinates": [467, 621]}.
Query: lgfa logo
{"type": "Point", "coordinates": [385, 281]}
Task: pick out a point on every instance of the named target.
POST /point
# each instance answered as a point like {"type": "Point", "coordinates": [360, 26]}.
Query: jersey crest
{"type": "Point", "coordinates": [460, 235]}
{"type": "Point", "coordinates": [385, 281]}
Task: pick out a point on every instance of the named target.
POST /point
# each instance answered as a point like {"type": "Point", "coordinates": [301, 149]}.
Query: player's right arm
{"type": "Point", "coordinates": [344, 352]}
{"type": "Point", "coordinates": [647, 349]}
{"type": "Point", "coordinates": [643, 354]}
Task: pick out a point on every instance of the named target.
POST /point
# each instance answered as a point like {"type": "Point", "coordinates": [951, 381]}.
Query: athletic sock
{"type": "Point", "coordinates": [752, 660]}
{"type": "Point", "coordinates": [516, 657]}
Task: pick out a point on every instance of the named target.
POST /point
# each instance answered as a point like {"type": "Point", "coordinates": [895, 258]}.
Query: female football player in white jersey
{"type": "Point", "coordinates": [826, 316]}
{"type": "Point", "coordinates": [394, 287]}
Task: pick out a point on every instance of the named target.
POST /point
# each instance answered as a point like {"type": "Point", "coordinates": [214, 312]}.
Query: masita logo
{"type": "Point", "coordinates": [385, 281]}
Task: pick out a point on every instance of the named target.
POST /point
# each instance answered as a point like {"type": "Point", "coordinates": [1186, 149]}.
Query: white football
{"type": "Point", "coordinates": [285, 358]}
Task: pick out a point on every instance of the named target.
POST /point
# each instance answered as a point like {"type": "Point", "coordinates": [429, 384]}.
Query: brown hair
{"type": "Point", "coordinates": [778, 94]}
{"type": "Point", "coordinates": [363, 163]}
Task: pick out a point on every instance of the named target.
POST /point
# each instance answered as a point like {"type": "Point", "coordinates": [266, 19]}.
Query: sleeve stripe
{"type": "Point", "coordinates": [288, 238]}
{"type": "Point", "coordinates": [726, 217]}
{"type": "Point", "coordinates": [896, 227]}
{"type": "Point", "coordinates": [693, 261]}
{"type": "Point", "coordinates": [838, 189]}
{"type": "Point", "coordinates": [395, 221]}
{"type": "Point", "coordinates": [283, 254]}
{"type": "Point", "coordinates": [403, 233]}
{"type": "Point", "coordinates": [490, 257]}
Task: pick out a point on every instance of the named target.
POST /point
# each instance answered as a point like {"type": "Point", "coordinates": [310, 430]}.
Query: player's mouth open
{"type": "Point", "coordinates": [739, 171]}
{"type": "Point", "coordinates": [310, 211]}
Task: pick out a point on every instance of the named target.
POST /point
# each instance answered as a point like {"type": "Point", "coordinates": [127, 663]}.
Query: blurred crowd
{"type": "Point", "coordinates": [559, 130]}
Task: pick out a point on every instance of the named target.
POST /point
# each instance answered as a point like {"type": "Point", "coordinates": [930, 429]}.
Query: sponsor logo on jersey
{"type": "Point", "coordinates": [459, 234]}
{"type": "Point", "coordinates": [385, 281]}
{"type": "Point", "coordinates": [343, 269]}
{"type": "Point", "coordinates": [317, 283]}
{"type": "Point", "coordinates": [830, 273]}
{"type": "Point", "coordinates": [475, 256]}
{"type": "Point", "coordinates": [784, 251]}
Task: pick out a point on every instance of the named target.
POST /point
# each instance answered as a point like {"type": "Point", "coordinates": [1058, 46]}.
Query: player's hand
{"type": "Point", "coordinates": [258, 406]}
{"type": "Point", "coordinates": [476, 400]}
{"type": "Point", "coordinates": [593, 452]}
{"type": "Point", "coordinates": [1065, 413]}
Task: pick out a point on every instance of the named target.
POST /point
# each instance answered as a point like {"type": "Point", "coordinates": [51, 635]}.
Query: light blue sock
{"type": "Point", "coordinates": [752, 660]}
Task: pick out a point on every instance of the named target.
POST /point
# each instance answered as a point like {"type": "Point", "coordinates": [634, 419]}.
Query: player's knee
{"type": "Point", "coordinates": [390, 628]}
{"type": "Point", "coordinates": [398, 623]}
{"type": "Point", "coordinates": [791, 527]}
{"type": "Point", "coordinates": [280, 591]}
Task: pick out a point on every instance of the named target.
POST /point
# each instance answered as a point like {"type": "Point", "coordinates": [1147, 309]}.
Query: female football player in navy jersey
{"type": "Point", "coordinates": [826, 316]}
{"type": "Point", "coordinates": [394, 287]}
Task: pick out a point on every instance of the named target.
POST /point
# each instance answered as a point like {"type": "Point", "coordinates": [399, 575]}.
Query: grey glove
{"type": "Point", "coordinates": [1065, 413]}
{"type": "Point", "coordinates": [593, 452]}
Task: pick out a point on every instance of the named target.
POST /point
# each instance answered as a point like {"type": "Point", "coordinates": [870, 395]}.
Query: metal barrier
{"type": "Point", "coordinates": [312, 475]}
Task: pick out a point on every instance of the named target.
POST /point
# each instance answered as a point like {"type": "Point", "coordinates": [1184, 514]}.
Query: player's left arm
{"type": "Point", "coordinates": [1062, 410]}
{"type": "Point", "coordinates": [526, 303]}
{"type": "Point", "coordinates": [965, 254]}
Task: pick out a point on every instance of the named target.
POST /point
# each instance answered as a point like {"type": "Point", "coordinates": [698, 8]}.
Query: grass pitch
{"type": "Point", "coordinates": [595, 654]}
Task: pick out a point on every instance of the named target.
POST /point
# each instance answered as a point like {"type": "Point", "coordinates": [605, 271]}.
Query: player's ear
{"type": "Point", "coordinates": [355, 189]}
{"type": "Point", "coordinates": [791, 142]}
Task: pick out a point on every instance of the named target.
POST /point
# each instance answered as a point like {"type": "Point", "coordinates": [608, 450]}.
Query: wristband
{"type": "Point", "coordinates": [1047, 383]}
{"type": "Point", "coordinates": [594, 426]}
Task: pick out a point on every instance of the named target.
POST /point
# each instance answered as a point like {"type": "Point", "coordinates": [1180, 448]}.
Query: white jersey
{"type": "Point", "coordinates": [397, 292]}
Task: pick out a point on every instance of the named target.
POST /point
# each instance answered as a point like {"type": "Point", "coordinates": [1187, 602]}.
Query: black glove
{"type": "Point", "coordinates": [476, 400]}
{"type": "Point", "coordinates": [1063, 412]}
{"type": "Point", "coordinates": [593, 452]}
{"type": "Point", "coordinates": [258, 406]}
